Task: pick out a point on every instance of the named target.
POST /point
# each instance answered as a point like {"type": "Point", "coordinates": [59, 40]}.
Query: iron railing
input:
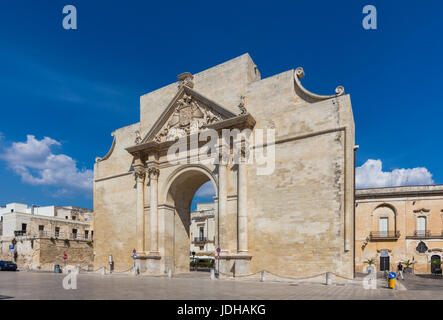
{"type": "Point", "coordinates": [200, 239]}
{"type": "Point", "coordinates": [53, 234]}
{"type": "Point", "coordinates": [425, 234]}
{"type": "Point", "coordinates": [384, 235]}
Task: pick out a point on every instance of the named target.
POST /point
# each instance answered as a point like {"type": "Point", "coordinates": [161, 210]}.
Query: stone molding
{"type": "Point", "coordinates": [98, 159]}
{"type": "Point", "coordinates": [237, 256]}
{"type": "Point", "coordinates": [300, 73]}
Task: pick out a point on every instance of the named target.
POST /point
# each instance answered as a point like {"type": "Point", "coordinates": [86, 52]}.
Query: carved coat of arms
{"type": "Point", "coordinates": [187, 118]}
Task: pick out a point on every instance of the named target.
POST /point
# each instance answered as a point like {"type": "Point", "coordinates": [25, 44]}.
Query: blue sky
{"type": "Point", "coordinates": [75, 87]}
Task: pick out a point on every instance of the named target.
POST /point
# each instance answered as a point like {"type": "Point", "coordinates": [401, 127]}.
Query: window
{"type": "Point", "coordinates": [66, 217]}
{"type": "Point", "coordinates": [57, 231]}
{"type": "Point", "coordinates": [202, 233]}
{"type": "Point", "coordinates": [74, 233]}
{"type": "Point", "coordinates": [421, 226]}
{"type": "Point", "coordinates": [383, 226]}
{"type": "Point", "coordinates": [41, 228]}
{"type": "Point", "coordinates": [24, 226]}
{"type": "Point", "coordinates": [86, 234]}
{"type": "Point", "coordinates": [73, 217]}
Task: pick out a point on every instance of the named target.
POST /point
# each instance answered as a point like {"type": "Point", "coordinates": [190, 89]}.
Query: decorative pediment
{"type": "Point", "coordinates": [187, 113]}
{"type": "Point", "coordinates": [421, 210]}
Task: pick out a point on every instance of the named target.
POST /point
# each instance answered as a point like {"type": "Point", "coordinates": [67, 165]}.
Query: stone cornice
{"type": "Point", "coordinates": [405, 191]}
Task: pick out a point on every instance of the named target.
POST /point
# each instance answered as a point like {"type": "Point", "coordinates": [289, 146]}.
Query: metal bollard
{"type": "Point", "coordinates": [169, 273]}
{"type": "Point", "coordinates": [328, 278]}
{"type": "Point", "coordinates": [262, 276]}
{"type": "Point", "coordinates": [212, 274]}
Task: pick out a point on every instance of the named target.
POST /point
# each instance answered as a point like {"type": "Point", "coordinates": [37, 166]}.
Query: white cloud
{"type": "Point", "coordinates": [36, 164]}
{"type": "Point", "coordinates": [206, 190]}
{"type": "Point", "coordinates": [370, 175]}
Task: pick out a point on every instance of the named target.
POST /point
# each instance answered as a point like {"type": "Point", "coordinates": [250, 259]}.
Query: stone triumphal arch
{"type": "Point", "coordinates": [294, 219]}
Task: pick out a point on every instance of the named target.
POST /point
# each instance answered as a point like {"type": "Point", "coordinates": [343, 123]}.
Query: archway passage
{"type": "Point", "coordinates": [202, 229]}
{"type": "Point", "coordinates": [179, 197]}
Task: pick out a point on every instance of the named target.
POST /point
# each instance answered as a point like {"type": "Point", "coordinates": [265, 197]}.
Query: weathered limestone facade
{"type": "Point", "coordinates": [40, 241]}
{"type": "Point", "coordinates": [295, 221]}
{"type": "Point", "coordinates": [392, 222]}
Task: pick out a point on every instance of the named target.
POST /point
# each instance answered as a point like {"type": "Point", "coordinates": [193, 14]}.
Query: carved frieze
{"type": "Point", "coordinates": [189, 117]}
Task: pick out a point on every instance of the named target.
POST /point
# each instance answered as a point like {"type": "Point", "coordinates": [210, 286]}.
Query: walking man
{"type": "Point", "coordinates": [400, 271]}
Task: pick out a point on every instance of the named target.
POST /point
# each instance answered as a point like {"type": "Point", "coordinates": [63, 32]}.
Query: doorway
{"type": "Point", "coordinates": [435, 263]}
{"type": "Point", "coordinates": [384, 260]}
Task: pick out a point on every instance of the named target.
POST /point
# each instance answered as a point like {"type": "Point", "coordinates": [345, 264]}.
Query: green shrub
{"type": "Point", "coordinates": [202, 264]}
{"type": "Point", "coordinates": [66, 241]}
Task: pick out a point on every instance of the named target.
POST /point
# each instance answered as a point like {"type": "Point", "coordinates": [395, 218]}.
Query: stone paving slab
{"type": "Point", "coordinates": [30, 285]}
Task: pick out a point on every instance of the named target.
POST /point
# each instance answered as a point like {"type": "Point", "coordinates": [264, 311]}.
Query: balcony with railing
{"type": "Point", "coordinates": [384, 235]}
{"type": "Point", "coordinates": [425, 234]}
{"type": "Point", "coordinates": [200, 240]}
{"type": "Point", "coordinates": [51, 234]}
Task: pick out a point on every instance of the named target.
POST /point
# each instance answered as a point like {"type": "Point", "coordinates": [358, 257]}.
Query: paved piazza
{"type": "Point", "coordinates": [33, 285]}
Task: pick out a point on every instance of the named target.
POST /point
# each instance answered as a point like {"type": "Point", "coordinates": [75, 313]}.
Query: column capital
{"type": "Point", "coordinates": [153, 173]}
{"type": "Point", "coordinates": [223, 158]}
{"type": "Point", "coordinates": [139, 174]}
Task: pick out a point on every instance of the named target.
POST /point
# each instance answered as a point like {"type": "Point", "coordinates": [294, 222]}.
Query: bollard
{"type": "Point", "coordinates": [103, 271]}
{"type": "Point", "coordinates": [212, 274]}
{"type": "Point", "coordinates": [262, 276]}
{"type": "Point", "coordinates": [328, 278]}
{"type": "Point", "coordinates": [169, 273]}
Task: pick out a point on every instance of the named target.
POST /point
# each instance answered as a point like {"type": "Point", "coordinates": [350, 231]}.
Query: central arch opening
{"type": "Point", "coordinates": [191, 193]}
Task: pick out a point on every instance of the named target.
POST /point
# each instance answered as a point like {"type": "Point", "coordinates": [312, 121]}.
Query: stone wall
{"type": "Point", "coordinates": [42, 254]}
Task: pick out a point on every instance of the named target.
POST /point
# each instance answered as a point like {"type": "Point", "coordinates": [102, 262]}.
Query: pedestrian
{"type": "Point", "coordinates": [400, 270]}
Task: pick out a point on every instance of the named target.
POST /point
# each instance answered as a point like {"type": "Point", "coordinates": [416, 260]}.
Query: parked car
{"type": "Point", "coordinates": [7, 266]}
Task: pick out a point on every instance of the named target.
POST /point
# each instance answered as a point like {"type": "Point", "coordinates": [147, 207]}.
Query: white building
{"type": "Point", "coordinates": [37, 237]}
{"type": "Point", "coordinates": [65, 212]}
{"type": "Point", "coordinates": [203, 229]}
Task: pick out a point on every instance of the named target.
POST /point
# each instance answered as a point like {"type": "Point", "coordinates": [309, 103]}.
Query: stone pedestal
{"type": "Point", "coordinates": [234, 265]}
{"type": "Point", "coordinates": [149, 264]}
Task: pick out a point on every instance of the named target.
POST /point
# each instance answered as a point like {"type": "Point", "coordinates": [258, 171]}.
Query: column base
{"type": "Point", "coordinates": [232, 265]}
{"type": "Point", "coordinates": [150, 264]}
